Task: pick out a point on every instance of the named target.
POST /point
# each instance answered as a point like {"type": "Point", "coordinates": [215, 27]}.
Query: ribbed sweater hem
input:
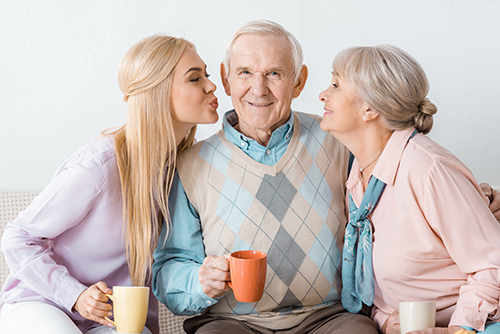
{"type": "Point", "coordinates": [274, 320]}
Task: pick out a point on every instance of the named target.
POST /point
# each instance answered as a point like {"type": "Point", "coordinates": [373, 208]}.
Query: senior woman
{"type": "Point", "coordinates": [420, 228]}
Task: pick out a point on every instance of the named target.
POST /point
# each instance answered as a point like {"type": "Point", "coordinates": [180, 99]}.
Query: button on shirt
{"type": "Point", "coordinates": [186, 223]}
{"type": "Point", "coordinates": [434, 237]}
{"type": "Point", "coordinates": [270, 155]}
{"type": "Point", "coordinates": [53, 247]}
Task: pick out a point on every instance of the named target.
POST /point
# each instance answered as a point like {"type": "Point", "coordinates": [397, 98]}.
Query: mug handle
{"type": "Point", "coordinates": [229, 263]}
{"type": "Point", "coordinates": [108, 319]}
{"type": "Point", "coordinates": [229, 282]}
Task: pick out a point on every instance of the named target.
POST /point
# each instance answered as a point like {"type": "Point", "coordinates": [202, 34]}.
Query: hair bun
{"type": "Point", "coordinates": [427, 107]}
{"type": "Point", "coordinates": [424, 119]}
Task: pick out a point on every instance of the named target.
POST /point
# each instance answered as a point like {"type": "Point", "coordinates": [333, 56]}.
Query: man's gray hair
{"type": "Point", "coordinates": [268, 28]}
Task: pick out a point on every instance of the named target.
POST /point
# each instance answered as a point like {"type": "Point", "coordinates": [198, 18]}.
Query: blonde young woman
{"type": "Point", "coordinates": [419, 228]}
{"type": "Point", "coordinates": [97, 223]}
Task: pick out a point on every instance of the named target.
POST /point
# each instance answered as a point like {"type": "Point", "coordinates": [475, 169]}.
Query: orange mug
{"type": "Point", "coordinates": [248, 275]}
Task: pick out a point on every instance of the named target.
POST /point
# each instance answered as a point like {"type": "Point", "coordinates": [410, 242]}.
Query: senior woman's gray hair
{"type": "Point", "coordinates": [268, 28]}
{"type": "Point", "coordinates": [391, 82]}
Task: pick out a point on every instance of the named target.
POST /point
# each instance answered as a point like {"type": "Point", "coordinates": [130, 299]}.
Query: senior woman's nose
{"type": "Point", "coordinates": [323, 96]}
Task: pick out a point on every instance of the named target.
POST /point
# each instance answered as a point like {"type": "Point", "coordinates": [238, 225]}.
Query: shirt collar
{"type": "Point", "coordinates": [281, 134]}
{"type": "Point", "coordinates": [388, 163]}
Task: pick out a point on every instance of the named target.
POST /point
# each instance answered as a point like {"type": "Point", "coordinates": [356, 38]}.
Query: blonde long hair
{"type": "Point", "coordinates": [145, 146]}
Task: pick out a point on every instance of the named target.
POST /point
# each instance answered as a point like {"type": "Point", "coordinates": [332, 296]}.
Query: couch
{"type": "Point", "coordinates": [14, 201]}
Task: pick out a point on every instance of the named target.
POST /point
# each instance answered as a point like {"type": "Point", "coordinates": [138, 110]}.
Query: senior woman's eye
{"type": "Point", "coordinates": [335, 86]}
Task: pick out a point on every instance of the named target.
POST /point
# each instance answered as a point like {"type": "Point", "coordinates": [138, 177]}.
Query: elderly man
{"type": "Point", "coordinates": [270, 180]}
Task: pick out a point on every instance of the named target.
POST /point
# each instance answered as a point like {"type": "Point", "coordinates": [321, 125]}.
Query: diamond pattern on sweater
{"type": "Point", "coordinates": [286, 215]}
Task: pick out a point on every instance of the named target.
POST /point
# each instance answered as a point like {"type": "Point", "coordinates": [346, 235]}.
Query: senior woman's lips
{"type": "Point", "coordinates": [327, 112]}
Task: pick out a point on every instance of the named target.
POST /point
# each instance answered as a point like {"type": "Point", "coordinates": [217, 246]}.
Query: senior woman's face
{"type": "Point", "coordinates": [343, 112]}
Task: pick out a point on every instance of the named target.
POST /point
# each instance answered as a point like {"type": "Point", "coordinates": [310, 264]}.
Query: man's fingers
{"type": "Point", "coordinates": [217, 262]}
{"type": "Point", "coordinates": [213, 276]}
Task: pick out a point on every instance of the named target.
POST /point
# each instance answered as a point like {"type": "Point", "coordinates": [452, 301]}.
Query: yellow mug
{"type": "Point", "coordinates": [130, 308]}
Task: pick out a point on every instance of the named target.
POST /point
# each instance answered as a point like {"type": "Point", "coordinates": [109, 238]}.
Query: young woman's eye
{"type": "Point", "coordinates": [207, 75]}
{"type": "Point", "coordinates": [196, 79]}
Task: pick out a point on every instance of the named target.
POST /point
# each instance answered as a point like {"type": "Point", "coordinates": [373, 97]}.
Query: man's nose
{"type": "Point", "coordinates": [260, 85]}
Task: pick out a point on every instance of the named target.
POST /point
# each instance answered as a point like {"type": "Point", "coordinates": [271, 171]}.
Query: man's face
{"type": "Point", "coordinates": [260, 82]}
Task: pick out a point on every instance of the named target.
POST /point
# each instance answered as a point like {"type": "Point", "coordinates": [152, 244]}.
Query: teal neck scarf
{"type": "Point", "coordinates": [357, 269]}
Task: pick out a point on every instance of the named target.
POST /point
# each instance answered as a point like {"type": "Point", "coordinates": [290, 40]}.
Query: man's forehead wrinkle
{"type": "Point", "coordinates": [248, 57]}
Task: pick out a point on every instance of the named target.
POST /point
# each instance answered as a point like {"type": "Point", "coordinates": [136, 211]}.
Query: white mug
{"type": "Point", "coordinates": [416, 316]}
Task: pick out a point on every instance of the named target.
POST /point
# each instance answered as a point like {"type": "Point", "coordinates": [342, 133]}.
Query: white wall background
{"type": "Point", "coordinates": [59, 61]}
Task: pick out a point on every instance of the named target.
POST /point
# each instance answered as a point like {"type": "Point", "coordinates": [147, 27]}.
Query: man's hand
{"type": "Point", "coordinates": [91, 304]}
{"type": "Point", "coordinates": [494, 197]}
{"type": "Point", "coordinates": [213, 276]}
{"type": "Point", "coordinates": [391, 325]}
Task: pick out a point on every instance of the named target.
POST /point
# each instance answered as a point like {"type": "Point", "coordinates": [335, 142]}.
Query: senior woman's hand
{"type": "Point", "coordinates": [441, 330]}
{"type": "Point", "coordinates": [391, 325]}
{"type": "Point", "coordinates": [494, 197]}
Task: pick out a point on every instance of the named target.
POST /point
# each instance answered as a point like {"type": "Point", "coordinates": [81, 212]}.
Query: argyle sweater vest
{"type": "Point", "coordinates": [294, 211]}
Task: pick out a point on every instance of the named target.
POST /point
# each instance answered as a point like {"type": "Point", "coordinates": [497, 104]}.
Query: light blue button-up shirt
{"type": "Point", "coordinates": [270, 155]}
{"type": "Point", "coordinates": [177, 261]}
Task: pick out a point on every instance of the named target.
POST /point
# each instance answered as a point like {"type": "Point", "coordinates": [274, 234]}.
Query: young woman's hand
{"type": "Point", "coordinates": [92, 304]}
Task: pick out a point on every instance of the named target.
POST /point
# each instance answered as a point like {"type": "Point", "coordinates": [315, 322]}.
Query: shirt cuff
{"type": "Point", "coordinates": [469, 318]}
{"type": "Point", "coordinates": [70, 293]}
{"type": "Point", "coordinates": [201, 299]}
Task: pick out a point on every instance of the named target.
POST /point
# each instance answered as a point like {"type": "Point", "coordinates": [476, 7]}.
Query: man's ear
{"type": "Point", "coordinates": [301, 82]}
{"type": "Point", "coordinates": [223, 77]}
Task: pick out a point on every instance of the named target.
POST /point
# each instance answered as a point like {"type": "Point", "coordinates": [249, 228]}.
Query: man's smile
{"type": "Point", "coordinates": [259, 104]}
